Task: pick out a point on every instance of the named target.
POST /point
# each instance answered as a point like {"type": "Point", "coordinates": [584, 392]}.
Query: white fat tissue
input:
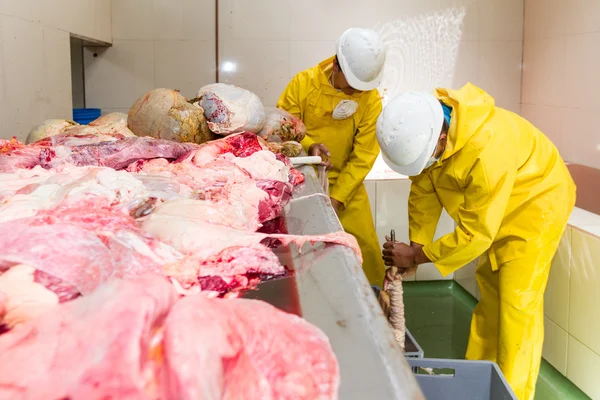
{"type": "Point", "coordinates": [24, 298]}
{"type": "Point", "coordinates": [262, 164]}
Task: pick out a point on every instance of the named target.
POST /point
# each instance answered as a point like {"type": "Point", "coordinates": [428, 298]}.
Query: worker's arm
{"type": "Point", "coordinates": [292, 102]}
{"type": "Point", "coordinates": [363, 156]}
{"type": "Point", "coordinates": [489, 185]}
{"type": "Point", "coordinates": [424, 210]}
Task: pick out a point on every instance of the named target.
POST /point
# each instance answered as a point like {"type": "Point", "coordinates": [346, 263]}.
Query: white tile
{"type": "Point", "coordinates": [555, 346]}
{"type": "Point", "coordinates": [582, 59]}
{"type": "Point", "coordinates": [582, 16]}
{"type": "Point", "coordinates": [390, 10]}
{"type": "Point", "coordinates": [119, 74]}
{"type": "Point", "coordinates": [28, 10]}
{"type": "Point", "coordinates": [91, 19]}
{"type": "Point", "coordinates": [516, 108]}
{"type": "Point", "coordinates": [445, 225]}
{"type": "Point", "coordinates": [176, 67]}
{"type": "Point", "coordinates": [392, 213]}
{"type": "Point", "coordinates": [544, 78]}
{"type": "Point", "coordinates": [500, 71]}
{"type": "Point", "coordinates": [584, 313]}
{"type": "Point", "coordinates": [132, 20]}
{"type": "Point", "coordinates": [472, 20]}
{"type": "Point", "coordinates": [261, 67]}
{"type": "Point", "coordinates": [429, 272]}
{"type": "Point", "coordinates": [581, 218]}
{"type": "Point", "coordinates": [322, 20]}
{"type": "Point", "coordinates": [467, 64]}
{"type": "Point", "coordinates": [468, 271]}
{"type": "Point", "coordinates": [392, 209]}
{"type": "Point", "coordinates": [501, 20]}
{"type": "Point", "coordinates": [304, 54]}
{"type": "Point", "coordinates": [582, 368]}
{"type": "Point", "coordinates": [101, 20]}
{"type": "Point", "coordinates": [239, 20]}
{"type": "Point", "coordinates": [556, 298]}
{"type": "Point", "coordinates": [24, 102]}
{"type": "Point", "coordinates": [548, 119]}
{"type": "Point", "coordinates": [544, 19]}
{"type": "Point", "coordinates": [57, 92]}
{"type": "Point", "coordinates": [185, 20]}
{"type": "Point", "coordinates": [585, 149]}
{"type": "Point", "coordinates": [470, 285]}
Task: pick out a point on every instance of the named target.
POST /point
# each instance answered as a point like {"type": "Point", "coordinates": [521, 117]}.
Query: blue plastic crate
{"type": "Point", "coordinates": [460, 379]}
{"type": "Point", "coordinates": [84, 116]}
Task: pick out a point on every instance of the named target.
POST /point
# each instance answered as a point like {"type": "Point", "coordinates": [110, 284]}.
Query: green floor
{"type": "Point", "coordinates": [438, 314]}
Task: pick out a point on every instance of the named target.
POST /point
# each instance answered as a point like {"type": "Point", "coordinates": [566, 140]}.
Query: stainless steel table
{"type": "Point", "coordinates": [330, 290]}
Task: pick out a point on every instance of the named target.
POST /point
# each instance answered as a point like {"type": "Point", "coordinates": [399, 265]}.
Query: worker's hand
{"type": "Point", "coordinates": [336, 204]}
{"type": "Point", "coordinates": [399, 255]}
{"type": "Point", "coordinates": [402, 272]}
{"type": "Point", "coordinates": [319, 149]}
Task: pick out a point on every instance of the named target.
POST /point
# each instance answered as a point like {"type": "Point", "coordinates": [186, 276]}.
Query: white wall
{"type": "Point", "coordinates": [156, 43]}
{"type": "Point", "coordinates": [163, 43]}
{"type": "Point", "coordinates": [560, 78]}
{"type": "Point", "coordinates": [35, 71]}
{"type": "Point", "coordinates": [292, 36]}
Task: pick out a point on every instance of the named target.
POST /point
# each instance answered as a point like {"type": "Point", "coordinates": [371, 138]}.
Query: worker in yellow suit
{"type": "Point", "coordinates": [510, 194]}
{"type": "Point", "coordinates": [339, 103]}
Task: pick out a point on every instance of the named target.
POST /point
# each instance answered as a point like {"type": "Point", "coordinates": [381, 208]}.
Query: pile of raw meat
{"type": "Point", "coordinates": [120, 262]}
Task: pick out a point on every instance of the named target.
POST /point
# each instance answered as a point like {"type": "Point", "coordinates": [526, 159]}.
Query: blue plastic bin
{"type": "Point", "coordinates": [84, 116]}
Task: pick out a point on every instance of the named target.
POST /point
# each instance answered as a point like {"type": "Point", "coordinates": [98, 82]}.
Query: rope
{"type": "Point", "coordinates": [396, 316]}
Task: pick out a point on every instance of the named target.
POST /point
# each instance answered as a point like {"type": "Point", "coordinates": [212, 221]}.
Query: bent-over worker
{"type": "Point", "coordinates": [339, 103]}
{"type": "Point", "coordinates": [510, 194]}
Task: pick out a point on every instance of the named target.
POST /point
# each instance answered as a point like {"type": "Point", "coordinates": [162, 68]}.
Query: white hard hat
{"type": "Point", "coordinates": [361, 55]}
{"type": "Point", "coordinates": [408, 130]}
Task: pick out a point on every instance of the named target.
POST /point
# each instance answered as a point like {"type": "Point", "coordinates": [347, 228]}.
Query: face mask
{"type": "Point", "coordinates": [431, 161]}
{"type": "Point", "coordinates": [345, 109]}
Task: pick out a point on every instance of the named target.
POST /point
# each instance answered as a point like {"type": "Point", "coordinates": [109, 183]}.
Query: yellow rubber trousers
{"type": "Point", "coordinates": [508, 323]}
{"type": "Point", "coordinates": [357, 220]}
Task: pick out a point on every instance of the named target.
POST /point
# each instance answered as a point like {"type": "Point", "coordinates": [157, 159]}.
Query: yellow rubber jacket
{"type": "Point", "coordinates": [499, 179]}
{"type": "Point", "coordinates": [353, 147]}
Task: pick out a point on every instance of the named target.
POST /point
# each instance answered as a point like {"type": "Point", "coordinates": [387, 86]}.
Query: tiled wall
{"type": "Point", "coordinates": [561, 59]}
{"type": "Point", "coordinates": [572, 342]}
{"type": "Point", "coordinates": [263, 43]}
{"type": "Point", "coordinates": [293, 36]}
{"type": "Point", "coordinates": [35, 72]}
{"type": "Point", "coordinates": [389, 200]}
{"type": "Point", "coordinates": [156, 43]}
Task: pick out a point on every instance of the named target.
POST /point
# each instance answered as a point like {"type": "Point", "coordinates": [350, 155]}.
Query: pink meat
{"type": "Point", "coordinates": [205, 245]}
{"type": "Point", "coordinates": [279, 193]}
{"type": "Point", "coordinates": [62, 289]}
{"type": "Point", "coordinates": [116, 154]}
{"type": "Point", "coordinates": [245, 349]}
{"type": "Point", "coordinates": [133, 339]}
{"type": "Point", "coordinates": [16, 155]}
{"type": "Point", "coordinates": [88, 246]}
{"type": "Point", "coordinates": [202, 239]}
{"type": "Point", "coordinates": [67, 252]}
{"type": "Point", "coordinates": [238, 268]}
{"type": "Point", "coordinates": [101, 346]}
{"type": "Point", "coordinates": [296, 177]}
{"type": "Point", "coordinates": [214, 181]}
{"type": "Point", "coordinates": [240, 145]}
